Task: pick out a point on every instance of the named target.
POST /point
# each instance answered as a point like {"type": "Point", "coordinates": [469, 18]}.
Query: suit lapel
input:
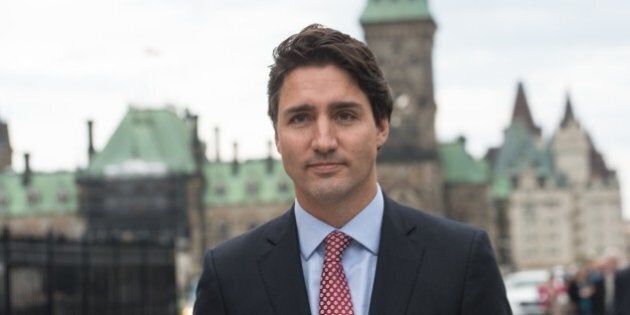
{"type": "Point", "coordinates": [281, 269]}
{"type": "Point", "coordinates": [398, 264]}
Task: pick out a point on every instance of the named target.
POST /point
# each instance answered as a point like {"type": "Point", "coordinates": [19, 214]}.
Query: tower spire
{"type": "Point", "coordinates": [521, 111]}
{"type": "Point", "coordinates": [568, 113]}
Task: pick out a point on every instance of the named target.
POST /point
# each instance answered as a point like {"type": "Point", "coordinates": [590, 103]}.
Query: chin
{"type": "Point", "coordinates": [330, 191]}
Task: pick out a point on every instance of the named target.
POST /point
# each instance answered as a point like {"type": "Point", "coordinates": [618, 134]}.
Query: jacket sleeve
{"type": "Point", "coordinates": [209, 300]}
{"type": "Point", "coordinates": [484, 290]}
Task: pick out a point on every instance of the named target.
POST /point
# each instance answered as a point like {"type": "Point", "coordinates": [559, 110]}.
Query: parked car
{"type": "Point", "coordinates": [523, 291]}
{"type": "Point", "coordinates": [187, 309]}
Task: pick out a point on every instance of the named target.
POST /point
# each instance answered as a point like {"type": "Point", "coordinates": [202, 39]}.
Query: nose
{"type": "Point", "coordinates": [325, 139]}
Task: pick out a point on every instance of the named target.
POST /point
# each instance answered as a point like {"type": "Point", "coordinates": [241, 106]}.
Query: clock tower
{"type": "Point", "coordinates": [400, 33]}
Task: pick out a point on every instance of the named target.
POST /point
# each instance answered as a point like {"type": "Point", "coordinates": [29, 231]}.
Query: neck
{"type": "Point", "coordinates": [338, 211]}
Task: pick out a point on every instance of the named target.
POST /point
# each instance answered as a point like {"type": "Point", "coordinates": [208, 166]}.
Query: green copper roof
{"type": "Point", "coordinates": [147, 141]}
{"type": "Point", "coordinates": [378, 11]}
{"type": "Point", "coordinates": [252, 182]}
{"type": "Point", "coordinates": [519, 152]}
{"type": "Point", "coordinates": [459, 166]}
{"type": "Point", "coordinates": [46, 194]}
{"type": "Point", "coordinates": [501, 187]}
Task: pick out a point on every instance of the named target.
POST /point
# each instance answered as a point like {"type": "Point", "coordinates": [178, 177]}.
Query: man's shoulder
{"type": "Point", "coordinates": [421, 217]}
{"type": "Point", "coordinates": [624, 273]}
{"type": "Point", "coordinates": [428, 223]}
{"type": "Point", "coordinates": [255, 240]}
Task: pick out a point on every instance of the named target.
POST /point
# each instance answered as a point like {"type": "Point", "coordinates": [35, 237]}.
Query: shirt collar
{"type": "Point", "coordinates": [364, 228]}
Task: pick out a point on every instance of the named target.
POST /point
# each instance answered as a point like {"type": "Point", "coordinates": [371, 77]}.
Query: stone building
{"type": "Point", "coordinates": [35, 203]}
{"type": "Point", "coordinates": [148, 183]}
{"type": "Point", "coordinates": [562, 201]}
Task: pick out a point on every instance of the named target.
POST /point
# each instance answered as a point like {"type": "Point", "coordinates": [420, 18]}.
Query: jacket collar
{"type": "Point", "coordinates": [281, 269]}
{"type": "Point", "coordinates": [399, 260]}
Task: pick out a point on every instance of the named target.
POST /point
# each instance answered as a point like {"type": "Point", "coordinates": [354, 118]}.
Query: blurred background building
{"type": "Point", "coordinates": [544, 202]}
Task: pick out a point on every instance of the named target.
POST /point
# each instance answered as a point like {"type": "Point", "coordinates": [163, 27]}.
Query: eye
{"type": "Point", "coordinates": [345, 116]}
{"type": "Point", "coordinates": [299, 118]}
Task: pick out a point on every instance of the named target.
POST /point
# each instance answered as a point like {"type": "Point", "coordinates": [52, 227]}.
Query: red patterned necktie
{"type": "Point", "coordinates": [334, 293]}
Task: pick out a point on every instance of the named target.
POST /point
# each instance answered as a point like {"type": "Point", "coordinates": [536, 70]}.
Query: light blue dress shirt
{"type": "Point", "coordinates": [359, 259]}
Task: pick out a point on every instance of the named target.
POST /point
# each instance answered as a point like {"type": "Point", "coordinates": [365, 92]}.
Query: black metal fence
{"type": "Point", "coordinates": [53, 276]}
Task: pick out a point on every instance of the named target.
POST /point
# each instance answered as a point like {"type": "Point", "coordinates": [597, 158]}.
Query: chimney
{"type": "Point", "coordinates": [235, 162]}
{"type": "Point", "coordinates": [269, 157]}
{"type": "Point", "coordinates": [217, 143]}
{"type": "Point", "coordinates": [194, 122]}
{"type": "Point", "coordinates": [197, 148]}
{"type": "Point", "coordinates": [462, 140]}
{"type": "Point", "coordinates": [91, 150]}
{"type": "Point", "coordinates": [26, 176]}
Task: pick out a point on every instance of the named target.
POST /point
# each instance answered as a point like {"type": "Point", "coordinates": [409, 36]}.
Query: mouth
{"type": "Point", "coordinates": [325, 167]}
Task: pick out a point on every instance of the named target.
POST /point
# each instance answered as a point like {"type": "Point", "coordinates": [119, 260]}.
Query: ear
{"type": "Point", "coordinates": [278, 147]}
{"type": "Point", "coordinates": [382, 129]}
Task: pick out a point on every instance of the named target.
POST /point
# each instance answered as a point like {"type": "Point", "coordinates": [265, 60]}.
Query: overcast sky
{"type": "Point", "coordinates": [63, 62]}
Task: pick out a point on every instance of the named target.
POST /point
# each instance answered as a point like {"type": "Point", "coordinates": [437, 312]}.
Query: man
{"type": "Point", "coordinates": [344, 247]}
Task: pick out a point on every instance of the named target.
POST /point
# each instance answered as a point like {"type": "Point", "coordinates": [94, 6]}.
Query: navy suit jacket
{"type": "Point", "coordinates": [426, 265]}
{"type": "Point", "coordinates": [622, 292]}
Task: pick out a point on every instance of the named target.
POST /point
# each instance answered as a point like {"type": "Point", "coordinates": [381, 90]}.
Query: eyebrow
{"type": "Point", "coordinates": [299, 109]}
{"type": "Point", "coordinates": [344, 105]}
{"type": "Point", "coordinates": [333, 107]}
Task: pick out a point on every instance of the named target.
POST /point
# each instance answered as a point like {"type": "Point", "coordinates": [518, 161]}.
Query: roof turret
{"type": "Point", "coordinates": [379, 11]}
{"type": "Point", "coordinates": [522, 112]}
{"type": "Point", "coordinates": [568, 113]}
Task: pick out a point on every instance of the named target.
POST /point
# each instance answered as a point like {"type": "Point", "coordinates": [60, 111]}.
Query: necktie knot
{"type": "Point", "coordinates": [336, 243]}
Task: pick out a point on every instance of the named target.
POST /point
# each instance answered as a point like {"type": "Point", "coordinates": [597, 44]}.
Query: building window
{"type": "Point", "coordinates": [531, 237]}
{"type": "Point", "coordinates": [219, 190]}
{"type": "Point", "coordinates": [4, 201]}
{"type": "Point", "coordinates": [62, 197]}
{"type": "Point", "coordinates": [32, 197]}
{"type": "Point", "coordinates": [283, 186]}
{"type": "Point", "coordinates": [252, 187]}
{"type": "Point", "coordinates": [529, 213]}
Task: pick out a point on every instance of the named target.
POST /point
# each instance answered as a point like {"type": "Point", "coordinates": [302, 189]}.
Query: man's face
{"type": "Point", "coordinates": [327, 135]}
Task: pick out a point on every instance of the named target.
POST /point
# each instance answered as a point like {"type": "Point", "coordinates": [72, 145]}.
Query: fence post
{"type": "Point", "coordinates": [116, 246]}
{"type": "Point", "coordinates": [7, 270]}
{"type": "Point", "coordinates": [85, 285]}
{"type": "Point", "coordinates": [50, 269]}
{"type": "Point", "coordinates": [144, 269]}
{"type": "Point", "coordinates": [173, 271]}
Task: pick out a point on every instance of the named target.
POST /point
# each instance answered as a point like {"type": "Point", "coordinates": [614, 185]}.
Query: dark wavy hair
{"type": "Point", "coordinates": [318, 45]}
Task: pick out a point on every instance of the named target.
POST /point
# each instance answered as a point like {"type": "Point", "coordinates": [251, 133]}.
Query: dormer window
{"type": "Point", "coordinates": [62, 197]}
{"type": "Point", "coordinates": [252, 187]}
{"type": "Point", "coordinates": [219, 190]}
{"type": "Point", "coordinates": [32, 197]}
{"type": "Point", "coordinates": [4, 201]}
